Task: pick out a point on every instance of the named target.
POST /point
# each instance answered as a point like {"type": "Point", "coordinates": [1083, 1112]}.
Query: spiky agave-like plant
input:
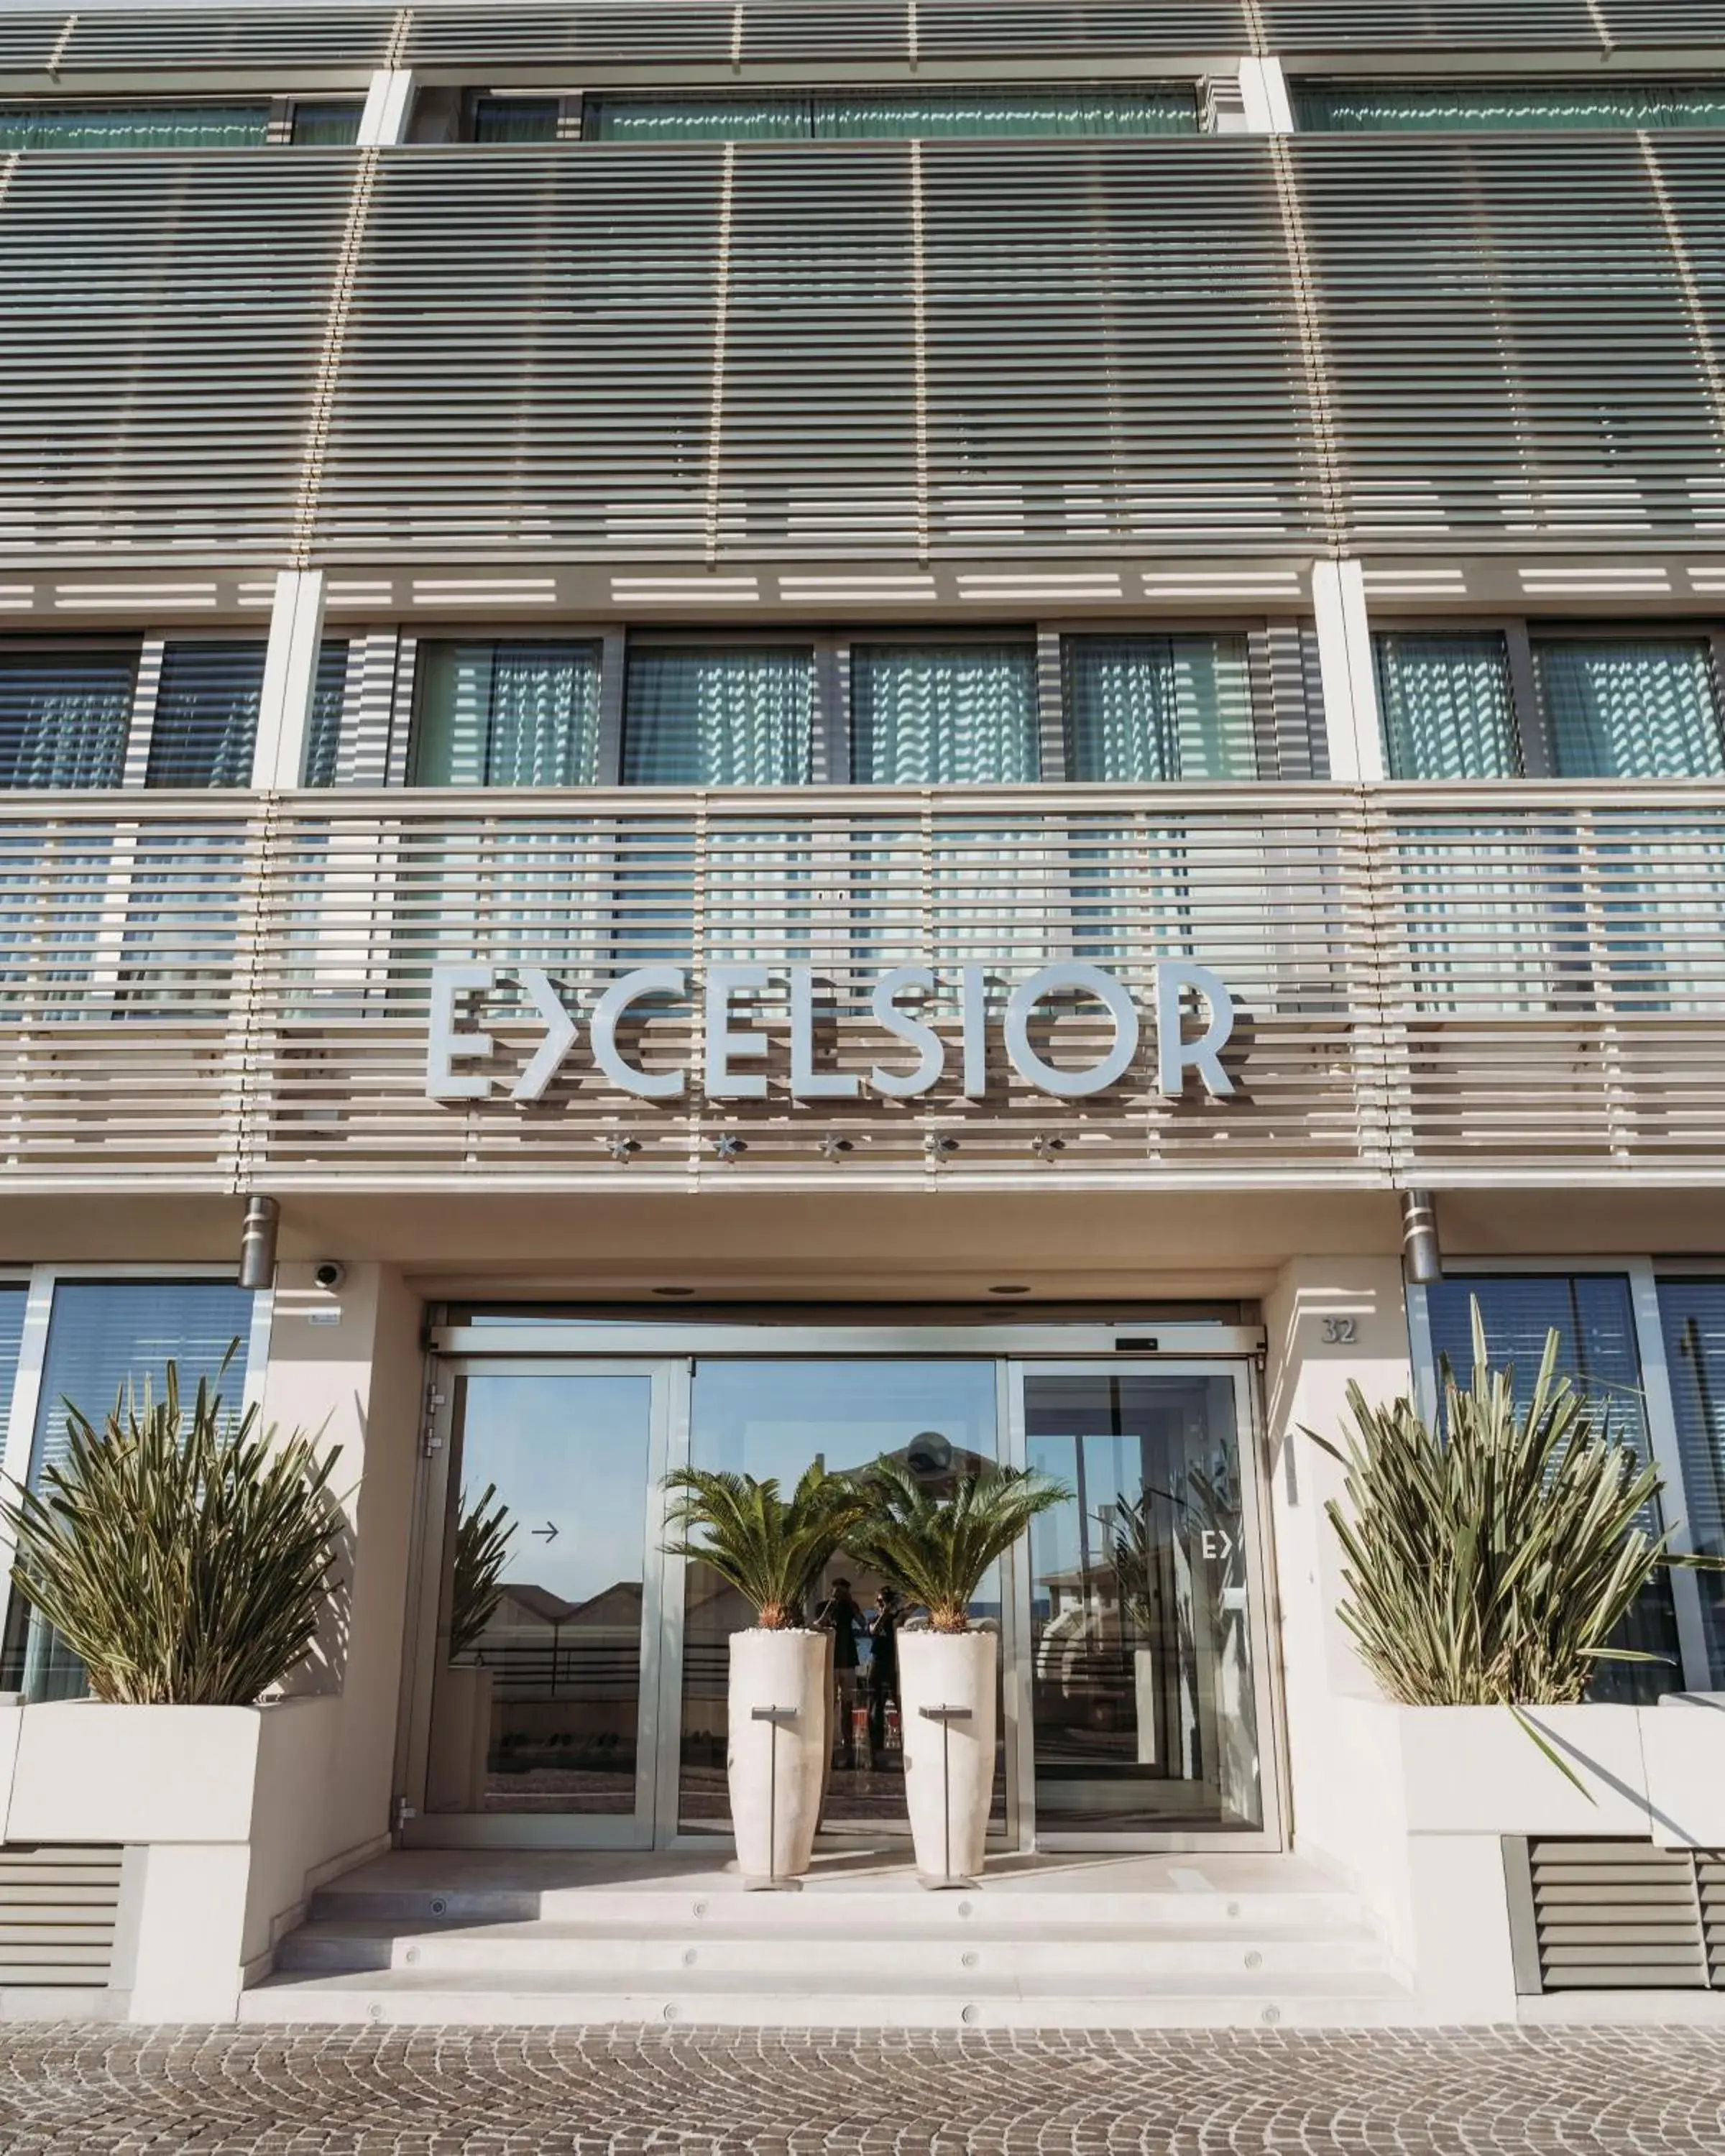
{"type": "Point", "coordinates": [1489, 1561]}
{"type": "Point", "coordinates": [771, 1549]}
{"type": "Point", "coordinates": [935, 1549]}
{"type": "Point", "coordinates": [483, 1534]}
{"type": "Point", "coordinates": [184, 1560]}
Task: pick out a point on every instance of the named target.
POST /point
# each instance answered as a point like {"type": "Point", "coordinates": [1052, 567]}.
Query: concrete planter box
{"type": "Point", "coordinates": [1424, 1797]}
{"type": "Point", "coordinates": [219, 1811]}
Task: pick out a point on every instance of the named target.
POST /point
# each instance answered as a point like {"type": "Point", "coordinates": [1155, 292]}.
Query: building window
{"type": "Point", "coordinates": [1594, 1316]}
{"type": "Point", "coordinates": [517, 119]}
{"type": "Point", "coordinates": [1149, 709]}
{"type": "Point", "coordinates": [205, 730]}
{"type": "Point", "coordinates": [943, 714]}
{"type": "Point", "coordinates": [891, 116]}
{"type": "Point", "coordinates": [1691, 1316]}
{"type": "Point", "coordinates": [718, 716]}
{"type": "Point", "coordinates": [1621, 709]}
{"type": "Point", "coordinates": [332, 126]}
{"type": "Point", "coordinates": [64, 717]}
{"type": "Point", "coordinates": [104, 1337]}
{"type": "Point", "coordinates": [507, 714]}
{"type": "Point", "coordinates": [323, 724]}
{"type": "Point", "coordinates": [1446, 706]}
{"type": "Point", "coordinates": [1458, 107]}
{"type": "Point", "coordinates": [51, 125]}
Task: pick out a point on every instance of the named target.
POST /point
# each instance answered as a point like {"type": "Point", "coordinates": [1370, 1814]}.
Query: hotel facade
{"type": "Point", "coordinates": [780, 731]}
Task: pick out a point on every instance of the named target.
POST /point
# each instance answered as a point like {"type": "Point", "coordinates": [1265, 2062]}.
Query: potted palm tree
{"type": "Point", "coordinates": [772, 1550]}
{"type": "Point", "coordinates": [934, 1545]}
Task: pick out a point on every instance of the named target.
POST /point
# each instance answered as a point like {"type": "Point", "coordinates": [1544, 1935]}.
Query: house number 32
{"type": "Point", "coordinates": [1338, 1331]}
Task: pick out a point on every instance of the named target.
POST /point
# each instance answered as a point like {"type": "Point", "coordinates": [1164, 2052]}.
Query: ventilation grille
{"type": "Point", "coordinates": [57, 1911]}
{"type": "Point", "coordinates": [1623, 1916]}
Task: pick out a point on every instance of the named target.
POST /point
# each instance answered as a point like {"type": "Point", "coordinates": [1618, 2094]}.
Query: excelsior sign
{"type": "Point", "coordinates": [734, 1049]}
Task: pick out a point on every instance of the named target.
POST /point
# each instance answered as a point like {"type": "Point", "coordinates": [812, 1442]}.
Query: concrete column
{"type": "Point", "coordinates": [389, 103]}
{"type": "Point", "coordinates": [1264, 93]}
{"type": "Point", "coordinates": [1328, 1320]}
{"type": "Point", "coordinates": [1350, 686]}
{"type": "Point", "coordinates": [348, 1363]}
{"type": "Point", "coordinates": [290, 678]}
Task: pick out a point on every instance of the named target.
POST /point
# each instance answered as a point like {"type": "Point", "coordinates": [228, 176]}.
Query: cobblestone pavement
{"type": "Point", "coordinates": [503, 2092]}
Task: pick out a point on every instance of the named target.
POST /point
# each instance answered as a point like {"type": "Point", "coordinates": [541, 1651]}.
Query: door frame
{"type": "Point", "coordinates": [1261, 1612]}
{"type": "Point", "coordinates": [427, 1618]}
{"type": "Point", "coordinates": [666, 1350]}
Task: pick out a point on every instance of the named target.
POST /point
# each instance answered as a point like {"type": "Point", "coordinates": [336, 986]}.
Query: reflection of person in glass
{"type": "Point", "coordinates": [840, 1616]}
{"type": "Point", "coordinates": [883, 1668]}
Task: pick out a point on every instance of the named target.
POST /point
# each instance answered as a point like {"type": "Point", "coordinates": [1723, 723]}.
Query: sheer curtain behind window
{"type": "Point", "coordinates": [1147, 709]}
{"type": "Point", "coordinates": [943, 714]}
{"type": "Point", "coordinates": [718, 716]}
{"type": "Point", "coordinates": [1004, 114]}
{"type": "Point", "coordinates": [508, 714]}
{"type": "Point", "coordinates": [1397, 107]}
{"type": "Point", "coordinates": [1446, 705]}
{"type": "Point", "coordinates": [53, 127]}
{"type": "Point", "coordinates": [1593, 1318]}
{"type": "Point", "coordinates": [102, 1337]}
{"type": "Point", "coordinates": [64, 718]}
{"type": "Point", "coordinates": [694, 119]}
{"type": "Point", "coordinates": [1641, 708]}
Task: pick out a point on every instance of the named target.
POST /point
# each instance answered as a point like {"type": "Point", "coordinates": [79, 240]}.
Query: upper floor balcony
{"type": "Point", "coordinates": [1429, 983]}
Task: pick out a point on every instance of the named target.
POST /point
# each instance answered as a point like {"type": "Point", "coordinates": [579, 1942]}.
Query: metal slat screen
{"type": "Point", "coordinates": [58, 1908]}
{"type": "Point", "coordinates": [1622, 1915]}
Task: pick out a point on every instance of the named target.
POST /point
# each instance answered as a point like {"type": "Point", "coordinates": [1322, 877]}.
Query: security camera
{"type": "Point", "coordinates": [329, 1275]}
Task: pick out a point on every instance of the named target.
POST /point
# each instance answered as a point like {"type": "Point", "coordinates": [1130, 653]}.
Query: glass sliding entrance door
{"type": "Point", "coordinates": [1145, 1679]}
{"type": "Point", "coordinates": [535, 1702]}
{"type": "Point", "coordinates": [777, 1417]}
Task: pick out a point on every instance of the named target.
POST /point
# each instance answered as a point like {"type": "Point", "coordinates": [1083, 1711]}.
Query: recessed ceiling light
{"type": "Point", "coordinates": [674, 1290]}
{"type": "Point", "coordinates": [1009, 1289]}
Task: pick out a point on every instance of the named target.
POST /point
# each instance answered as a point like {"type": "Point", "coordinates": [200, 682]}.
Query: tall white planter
{"type": "Point", "coordinates": [776, 1767]}
{"type": "Point", "coordinates": [949, 1760]}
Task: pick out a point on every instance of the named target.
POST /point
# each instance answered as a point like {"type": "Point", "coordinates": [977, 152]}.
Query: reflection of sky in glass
{"type": "Point", "coordinates": [764, 1419]}
{"type": "Point", "coordinates": [563, 1449]}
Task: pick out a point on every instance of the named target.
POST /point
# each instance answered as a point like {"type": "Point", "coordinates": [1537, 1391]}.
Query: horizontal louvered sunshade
{"type": "Point", "coordinates": [791, 350]}
{"type": "Point", "coordinates": [171, 40]}
{"type": "Point", "coordinates": [713, 31]}
{"type": "Point", "coordinates": [1293, 26]}
{"type": "Point", "coordinates": [1487, 986]}
{"type": "Point", "coordinates": [57, 1914]}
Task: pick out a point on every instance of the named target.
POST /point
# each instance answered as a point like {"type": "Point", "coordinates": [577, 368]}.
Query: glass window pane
{"type": "Point", "coordinates": [720, 717]}
{"type": "Point", "coordinates": [1005, 113]}
{"type": "Point", "coordinates": [103, 1336]}
{"type": "Point", "coordinates": [1143, 709]}
{"type": "Point", "coordinates": [53, 127]}
{"type": "Point", "coordinates": [1693, 1317]}
{"type": "Point", "coordinates": [508, 714]}
{"type": "Point", "coordinates": [1630, 709]}
{"type": "Point", "coordinates": [517, 120]}
{"type": "Point", "coordinates": [64, 717]}
{"type": "Point", "coordinates": [206, 726]}
{"type": "Point", "coordinates": [943, 714]}
{"type": "Point", "coordinates": [1355, 107]}
{"type": "Point", "coordinates": [330, 126]}
{"type": "Point", "coordinates": [1446, 706]}
{"type": "Point", "coordinates": [1594, 1321]}
{"type": "Point", "coordinates": [539, 1709]}
{"type": "Point", "coordinates": [671, 119]}
{"type": "Point", "coordinates": [1143, 1696]}
{"type": "Point", "coordinates": [775, 1418]}
{"type": "Point", "coordinates": [323, 727]}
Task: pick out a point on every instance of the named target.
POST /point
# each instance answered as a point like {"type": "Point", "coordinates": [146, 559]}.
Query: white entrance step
{"type": "Point", "coordinates": [463, 1938]}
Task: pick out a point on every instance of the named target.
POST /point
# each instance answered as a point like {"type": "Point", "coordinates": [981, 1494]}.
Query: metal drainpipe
{"type": "Point", "coordinates": [1422, 1260]}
